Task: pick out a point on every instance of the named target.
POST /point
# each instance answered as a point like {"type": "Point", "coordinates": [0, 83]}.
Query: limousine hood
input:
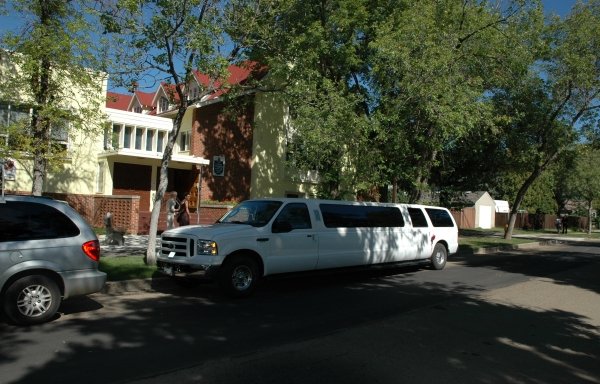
{"type": "Point", "coordinates": [208, 232]}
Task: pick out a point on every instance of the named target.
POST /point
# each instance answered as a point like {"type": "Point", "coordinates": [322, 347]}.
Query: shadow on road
{"type": "Point", "coordinates": [385, 326]}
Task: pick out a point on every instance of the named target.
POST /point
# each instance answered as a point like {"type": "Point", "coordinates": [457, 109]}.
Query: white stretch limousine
{"type": "Point", "coordinates": [269, 236]}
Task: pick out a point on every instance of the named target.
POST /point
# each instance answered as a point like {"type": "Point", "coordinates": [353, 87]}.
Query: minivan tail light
{"type": "Point", "coordinates": [92, 249]}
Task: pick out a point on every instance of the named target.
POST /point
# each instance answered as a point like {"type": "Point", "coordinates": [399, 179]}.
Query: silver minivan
{"type": "Point", "coordinates": [48, 252]}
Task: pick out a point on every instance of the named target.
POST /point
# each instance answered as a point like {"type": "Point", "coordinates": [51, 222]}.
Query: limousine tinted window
{"type": "Point", "coordinates": [253, 212]}
{"type": "Point", "coordinates": [296, 214]}
{"type": "Point", "coordinates": [352, 216]}
{"type": "Point", "coordinates": [417, 217]}
{"type": "Point", "coordinates": [440, 217]}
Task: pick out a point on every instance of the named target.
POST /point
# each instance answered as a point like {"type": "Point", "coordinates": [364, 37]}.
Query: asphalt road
{"type": "Point", "coordinates": [527, 316]}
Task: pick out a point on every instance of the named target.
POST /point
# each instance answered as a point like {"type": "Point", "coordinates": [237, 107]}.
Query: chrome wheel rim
{"type": "Point", "coordinates": [242, 277]}
{"type": "Point", "coordinates": [439, 257]}
{"type": "Point", "coordinates": [34, 300]}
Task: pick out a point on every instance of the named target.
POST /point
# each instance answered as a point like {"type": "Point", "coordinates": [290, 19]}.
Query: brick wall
{"type": "Point", "coordinates": [125, 212]}
{"type": "Point", "coordinates": [220, 131]}
{"type": "Point", "coordinates": [208, 215]}
{"type": "Point", "coordinates": [125, 209]}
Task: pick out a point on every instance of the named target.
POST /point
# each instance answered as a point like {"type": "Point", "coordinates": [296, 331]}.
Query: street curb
{"type": "Point", "coordinates": [164, 283]}
{"type": "Point", "coordinates": [137, 285]}
{"type": "Point", "coordinates": [504, 248]}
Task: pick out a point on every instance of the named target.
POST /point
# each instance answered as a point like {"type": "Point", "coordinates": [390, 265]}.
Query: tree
{"type": "Point", "coordinates": [51, 68]}
{"type": "Point", "coordinates": [557, 101]}
{"type": "Point", "coordinates": [165, 41]}
{"type": "Point", "coordinates": [315, 52]}
{"type": "Point", "coordinates": [433, 63]}
{"type": "Point", "coordinates": [378, 89]}
{"type": "Point", "coordinates": [584, 180]}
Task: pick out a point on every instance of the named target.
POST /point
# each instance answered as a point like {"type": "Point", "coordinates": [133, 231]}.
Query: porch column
{"type": "Point", "coordinates": [153, 187]}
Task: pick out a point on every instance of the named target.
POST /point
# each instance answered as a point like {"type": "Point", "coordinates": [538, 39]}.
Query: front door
{"type": "Point", "coordinates": [294, 245]}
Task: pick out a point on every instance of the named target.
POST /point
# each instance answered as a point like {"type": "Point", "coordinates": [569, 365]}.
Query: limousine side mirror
{"type": "Point", "coordinates": [281, 227]}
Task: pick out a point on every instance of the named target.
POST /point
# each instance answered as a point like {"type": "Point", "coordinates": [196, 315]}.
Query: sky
{"type": "Point", "coordinates": [559, 7]}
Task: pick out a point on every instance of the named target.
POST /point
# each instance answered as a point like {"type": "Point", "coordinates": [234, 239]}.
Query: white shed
{"type": "Point", "coordinates": [485, 208]}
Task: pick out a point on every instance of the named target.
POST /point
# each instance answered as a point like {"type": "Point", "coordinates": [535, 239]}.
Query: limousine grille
{"type": "Point", "coordinates": [182, 246]}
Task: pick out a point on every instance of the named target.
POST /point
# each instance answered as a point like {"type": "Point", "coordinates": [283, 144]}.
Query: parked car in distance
{"type": "Point", "coordinates": [48, 252]}
{"type": "Point", "coordinates": [271, 236]}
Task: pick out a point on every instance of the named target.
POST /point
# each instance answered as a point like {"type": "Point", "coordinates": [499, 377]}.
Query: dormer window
{"type": "Point", "coordinates": [194, 93]}
{"type": "Point", "coordinates": [163, 104]}
{"type": "Point", "coordinates": [137, 109]}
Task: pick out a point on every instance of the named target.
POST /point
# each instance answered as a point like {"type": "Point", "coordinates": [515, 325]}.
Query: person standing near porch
{"type": "Point", "coordinates": [172, 209]}
{"type": "Point", "coordinates": [184, 212]}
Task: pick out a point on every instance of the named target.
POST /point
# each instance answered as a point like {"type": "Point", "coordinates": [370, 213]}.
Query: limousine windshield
{"type": "Point", "coordinates": [253, 212]}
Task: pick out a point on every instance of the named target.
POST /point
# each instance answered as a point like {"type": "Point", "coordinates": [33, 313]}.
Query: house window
{"type": "Point", "coordinates": [137, 109]}
{"type": "Point", "coordinates": [163, 104]}
{"type": "Point", "coordinates": [139, 136]}
{"type": "Point", "coordinates": [59, 134]}
{"type": "Point", "coordinates": [116, 133]}
{"type": "Point", "coordinates": [194, 92]}
{"type": "Point", "coordinates": [160, 146]}
{"type": "Point", "coordinates": [127, 136]}
{"type": "Point", "coordinates": [10, 115]}
{"type": "Point", "coordinates": [184, 143]}
{"type": "Point", "coordinates": [149, 139]}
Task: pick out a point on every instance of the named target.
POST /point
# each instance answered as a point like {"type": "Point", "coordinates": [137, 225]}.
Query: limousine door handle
{"type": "Point", "coordinates": [262, 239]}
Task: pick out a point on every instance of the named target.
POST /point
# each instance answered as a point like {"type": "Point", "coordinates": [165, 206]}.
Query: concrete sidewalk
{"type": "Point", "coordinates": [134, 245]}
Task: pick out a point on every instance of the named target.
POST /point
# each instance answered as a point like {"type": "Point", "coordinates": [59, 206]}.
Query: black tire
{"type": "Point", "coordinates": [32, 300]}
{"type": "Point", "coordinates": [439, 257]}
{"type": "Point", "coordinates": [239, 276]}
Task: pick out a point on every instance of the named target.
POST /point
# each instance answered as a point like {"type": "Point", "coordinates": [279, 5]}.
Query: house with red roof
{"type": "Point", "coordinates": [223, 153]}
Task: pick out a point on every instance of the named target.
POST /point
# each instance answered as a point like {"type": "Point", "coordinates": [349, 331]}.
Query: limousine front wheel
{"type": "Point", "coordinates": [239, 276]}
{"type": "Point", "coordinates": [439, 257]}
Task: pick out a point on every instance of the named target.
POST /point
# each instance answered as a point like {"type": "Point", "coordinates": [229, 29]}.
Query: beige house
{"type": "Point", "coordinates": [219, 157]}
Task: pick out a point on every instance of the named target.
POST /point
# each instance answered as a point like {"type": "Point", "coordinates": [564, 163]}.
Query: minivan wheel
{"type": "Point", "coordinates": [439, 257]}
{"type": "Point", "coordinates": [239, 276]}
{"type": "Point", "coordinates": [32, 300]}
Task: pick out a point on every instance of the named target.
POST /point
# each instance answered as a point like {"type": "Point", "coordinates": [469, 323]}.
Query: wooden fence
{"type": "Point", "coordinates": [465, 219]}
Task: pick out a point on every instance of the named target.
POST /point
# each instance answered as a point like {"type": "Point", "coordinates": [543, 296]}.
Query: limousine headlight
{"type": "Point", "coordinates": [207, 247]}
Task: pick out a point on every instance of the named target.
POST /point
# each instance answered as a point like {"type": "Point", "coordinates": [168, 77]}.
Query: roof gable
{"type": "Point", "coordinates": [117, 100]}
{"type": "Point", "coordinates": [238, 75]}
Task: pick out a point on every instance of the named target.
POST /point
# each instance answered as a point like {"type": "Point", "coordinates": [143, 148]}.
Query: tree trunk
{"type": "Point", "coordinates": [590, 206]}
{"type": "Point", "coordinates": [162, 187]}
{"type": "Point", "coordinates": [40, 124]}
{"type": "Point", "coordinates": [537, 171]}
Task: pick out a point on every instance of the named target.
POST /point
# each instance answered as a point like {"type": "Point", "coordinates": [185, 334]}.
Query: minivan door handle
{"type": "Point", "coordinates": [262, 239]}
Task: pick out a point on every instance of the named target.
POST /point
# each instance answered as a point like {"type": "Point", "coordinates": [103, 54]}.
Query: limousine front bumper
{"type": "Point", "coordinates": [177, 269]}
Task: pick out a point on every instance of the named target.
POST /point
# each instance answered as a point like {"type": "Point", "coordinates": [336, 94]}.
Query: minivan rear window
{"type": "Point", "coordinates": [440, 217]}
{"type": "Point", "coordinates": [352, 216]}
{"type": "Point", "coordinates": [31, 221]}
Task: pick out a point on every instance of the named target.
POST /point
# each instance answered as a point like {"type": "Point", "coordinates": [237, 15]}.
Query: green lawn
{"type": "Point", "coordinates": [133, 267]}
{"type": "Point", "coordinates": [487, 242]}
{"type": "Point", "coordinates": [126, 268]}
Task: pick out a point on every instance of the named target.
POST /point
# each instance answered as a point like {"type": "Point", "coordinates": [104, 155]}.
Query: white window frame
{"type": "Point", "coordinates": [184, 142]}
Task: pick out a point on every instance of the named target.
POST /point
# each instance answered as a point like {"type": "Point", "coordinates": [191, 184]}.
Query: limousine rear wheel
{"type": "Point", "coordinates": [439, 256]}
{"type": "Point", "coordinates": [239, 276]}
